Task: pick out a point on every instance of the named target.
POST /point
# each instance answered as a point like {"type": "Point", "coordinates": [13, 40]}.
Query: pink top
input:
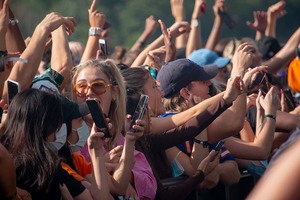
{"type": "Point", "coordinates": [144, 180]}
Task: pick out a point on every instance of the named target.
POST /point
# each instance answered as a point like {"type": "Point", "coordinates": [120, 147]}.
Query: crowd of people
{"type": "Point", "coordinates": [215, 109]}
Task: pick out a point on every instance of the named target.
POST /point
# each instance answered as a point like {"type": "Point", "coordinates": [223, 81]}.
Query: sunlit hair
{"type": "Point", "coordinates": [176, 103]}
{"type": "Point", "coordinates": [33, 116]}
{"type": "Point", "coordinates": [117, 111]}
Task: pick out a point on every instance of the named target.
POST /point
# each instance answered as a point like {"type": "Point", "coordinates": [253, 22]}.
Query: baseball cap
{"type": "Point", "coordinates": [72, 110]}
{"type": "Point", "coordinates": [207, 57]}
{"type": "Point", "coordinates": [179, 73]}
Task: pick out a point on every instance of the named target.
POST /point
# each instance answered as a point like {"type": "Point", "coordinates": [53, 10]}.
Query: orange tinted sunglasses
{"type": "Point", "coordinates": [99, 87]}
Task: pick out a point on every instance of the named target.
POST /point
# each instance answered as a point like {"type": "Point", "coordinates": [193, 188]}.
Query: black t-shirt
{"type": "Point", "coordinates": [74, 186]}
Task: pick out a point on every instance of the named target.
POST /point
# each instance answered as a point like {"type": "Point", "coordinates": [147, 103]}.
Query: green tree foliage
{"type": "Point", "coordinates": [127, 17]}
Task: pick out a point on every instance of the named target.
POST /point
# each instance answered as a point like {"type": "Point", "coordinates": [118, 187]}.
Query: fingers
{"type": "Point", "coordinates": [93, 5]}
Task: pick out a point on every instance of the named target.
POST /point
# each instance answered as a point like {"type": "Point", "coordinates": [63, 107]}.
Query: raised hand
{"type": "Point", "coordinates": [234, 88]}
{"type": "Point", "coordinates": [250, 76]}
{"type": "Point", "coordinates": [179, 28]}
{"type": "Point", "coordinates": [155, 57]}
{"type": "Point", "coordinates": [150, 25]}
{"type": "Point", "coordinates": [242, 59]}
{"type": "Point", "coordinates": [169, 44]}
{"type": "Point", "coordinates": [271, 101]}
{"type": "Point", "coordinates": [209, 163]}
{"type": "Point", "coordinates": [219, 6]}
{"type": "Point", "coordinates": [277, 10]}
{"type": "Point", "coordinates": [54, 20]}
{"type": "Point", "coordinates": [260, 21]}
{"type": "Point", "coordinates": [96, 18]}
{"type": "Point", "coordinates": [96, 139]}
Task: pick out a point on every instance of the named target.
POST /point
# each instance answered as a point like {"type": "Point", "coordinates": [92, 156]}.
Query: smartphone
{"type": "Point", "coordinates": [218, 148]}
{"type": "Point", "coordinates": [98, 116]}
{"type": "Point", "coordinates": [139, 111]}
{"type": "Point", "coordinates": [203, 7]}
{"type": "Point", "coordinates": [103, 48]}
{"type": "Point", "coordinates": [227, 19]}
{"type": "Point", "coordinates": [258, 80]}
{"type": "Point", "coordinates": [13, 88]}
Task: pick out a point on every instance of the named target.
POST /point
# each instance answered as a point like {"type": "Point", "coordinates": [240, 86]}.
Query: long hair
{"type": "Point", "coordinates": [33, 115]}
{"type": "Point", "coordinates": [117, 111]}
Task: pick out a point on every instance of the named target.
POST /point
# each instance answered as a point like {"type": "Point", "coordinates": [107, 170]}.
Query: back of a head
{"type": "Point", "coordinates": [232, 45]}
{"type": "Point", "coordinates": [268, 46]}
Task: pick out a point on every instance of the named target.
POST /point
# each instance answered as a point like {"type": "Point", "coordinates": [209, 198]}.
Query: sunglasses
{"type": "Point", "coordinates": [98, 87]}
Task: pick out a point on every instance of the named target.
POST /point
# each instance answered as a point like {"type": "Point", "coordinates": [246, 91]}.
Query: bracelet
{"type": "Point", "coordinates": [270, 116]}
{"type": "Point", "coordinates": [13, 21]}
{"type": "Point", "coordinates": [95, 31]}
{"type": "Point", "coordinates": [203, 143]}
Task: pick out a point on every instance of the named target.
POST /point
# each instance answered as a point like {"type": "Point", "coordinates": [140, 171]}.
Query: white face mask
{"type": "Point", "coordinates": [83, 133]}
{"type": "Point", "coordinates": [61, 137]}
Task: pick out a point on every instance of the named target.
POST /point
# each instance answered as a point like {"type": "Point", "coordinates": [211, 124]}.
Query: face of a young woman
{"type": "Point", "coordinates": [199, 91]}
{"type": "Point", "coordinates": [155, 96]}
{"type": "Point", "coordinates": [89, 75]}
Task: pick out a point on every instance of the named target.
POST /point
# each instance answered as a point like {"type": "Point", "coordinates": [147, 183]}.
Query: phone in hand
{"type": "Point", "coordinates": [98, 117]}
{"type": "Point", "coordinates": [13, 88]}
{"type": "Point", "coordinates": [203, 7]}
{"type": "Point", "coordinates": [139, 111]}
{"type": "Point", "coordinates": [218, 148]}
{"type": "Point", "coordinates": [227, 19]}
{"type": "Point", "coordinates": [103, 48]}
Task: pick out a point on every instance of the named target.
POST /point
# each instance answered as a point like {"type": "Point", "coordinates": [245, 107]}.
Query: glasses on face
{"type": "Point", "coordinates": [98, 87]}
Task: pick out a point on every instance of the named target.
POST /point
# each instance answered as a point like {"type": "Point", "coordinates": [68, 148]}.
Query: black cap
{"type": "Point", "coordinates": [72, 110]}
{"type": "Point", "coordinates": [179, 73]}
{"type": "Point", "coordinates": [268, 46]}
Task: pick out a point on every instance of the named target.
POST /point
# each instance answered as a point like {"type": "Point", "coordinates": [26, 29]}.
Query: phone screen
{"type": "Point", "coordinates": [103, 48]}
{"type": "Point", "coordinates": [139, 111]}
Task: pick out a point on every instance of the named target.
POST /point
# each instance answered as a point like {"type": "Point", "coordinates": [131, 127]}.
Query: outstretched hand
{"type": "Point", "coordinates": [260, 21]}
{"type": "Point", "coordinates": [96, 18]}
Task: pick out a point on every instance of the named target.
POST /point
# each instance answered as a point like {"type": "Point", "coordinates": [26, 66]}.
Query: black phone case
{"type": "Point", "coordinates": [227, 19]}
{"type": "Point", "coordinates": [98, 117]}
{"type": "Point", "coordinates": [139, 111]}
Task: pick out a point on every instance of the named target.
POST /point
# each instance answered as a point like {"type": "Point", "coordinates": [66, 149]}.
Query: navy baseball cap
{"type": "Point", "coordinates": [207, 57]}
{"type": "Point", "coordinates": [179, 73]}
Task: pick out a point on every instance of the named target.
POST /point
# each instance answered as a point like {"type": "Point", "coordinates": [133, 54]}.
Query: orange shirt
{"type": "Point", "coordinates": [82, 166]}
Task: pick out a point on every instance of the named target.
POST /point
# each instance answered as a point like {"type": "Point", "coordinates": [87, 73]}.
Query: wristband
{"type": "Point", "coordinates": [270, 116]}
{"type": "Point", "coordinates": [203, 143]}
{"type": "Point", "coordinates": [95, 31]}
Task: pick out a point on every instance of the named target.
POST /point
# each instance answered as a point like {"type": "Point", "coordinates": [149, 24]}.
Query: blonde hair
{"type": "Point", "coordinates": [117, 111]}
{"type": "Point", "coordinates": [176, 103]}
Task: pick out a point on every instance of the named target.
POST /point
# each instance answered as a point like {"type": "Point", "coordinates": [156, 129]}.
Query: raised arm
{"type": "Point", "coordinates": [150, 27]}
{"type": "Point", "coordinates": [194, 41]}
{"type": "Point", "coordinates": [274, 12]}
{"type": "Point", "coordinates": [176, 29]}
{"type": "Point", "coordinates": [25, 72]}
{"type": "Point", "coordinates": [3, 29]}
{"type": "Point", "coordinates": [285, 55]}
{"type": "Point", "coordinates": [216, 30]}
{"type": "Point", "coordinates": [61, 60]}
{"type": "Point", "coordinates": [178, 13]}
{"type": "Point", "coordinates": [97, 21]}
{"type": "Point", "coordinates": [259, 24]}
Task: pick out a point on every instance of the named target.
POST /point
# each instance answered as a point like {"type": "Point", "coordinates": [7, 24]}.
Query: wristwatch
{"type": "Point", "coordinates": [195, 22]}
{"type": "Point", "coordinates": [95, 31]}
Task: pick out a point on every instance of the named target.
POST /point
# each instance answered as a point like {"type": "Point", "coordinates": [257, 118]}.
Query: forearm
{"type": "Point", "coordinates": [230, 122]}
{"type": "Point", "coordinates": [215, 34]}
{"type": "Point", "coordinates": [61, 60]}
{"type": "Point", "coordinates": [14, 36]}
{"type": "Point", "coordinates": [91, 48]}
{"type": "Point", "coordinates": [141, 41]}
{"type": "Point", "coordinates": [285, 54]}
{"type": "Point", "coordinates": [194, 40]}
{"type": "Point", "coordinates": [123, 174]}
{"type": "Point", "coordinates": [160, 125]}
{"type": "Point", "coordinates": [142, 56]}
{"type": "Point", "coordinates": [25, 72]}
{"type": "Point", "coordinates": [199, 152]}
{"type": "Point", "coordinates": [271, 27]}
{"type": "Point", "coordinates": [99, 184]}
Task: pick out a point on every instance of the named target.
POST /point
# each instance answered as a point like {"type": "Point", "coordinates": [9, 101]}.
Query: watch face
{"type": "Point", "coordinates": [195, 22]}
